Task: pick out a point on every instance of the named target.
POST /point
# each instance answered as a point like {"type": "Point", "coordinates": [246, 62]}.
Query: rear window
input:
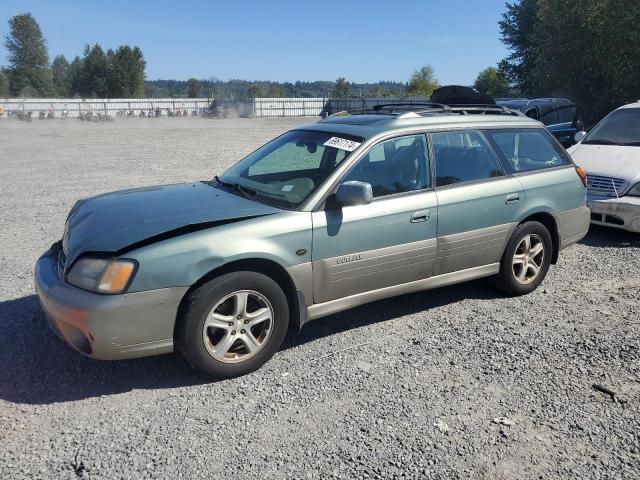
{"type": "Point", "coordinates": [528, 149]}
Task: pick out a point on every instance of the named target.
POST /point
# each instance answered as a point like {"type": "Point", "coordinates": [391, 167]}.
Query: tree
{"type": "Point", "coordinates": [125, 72]}
{"type": "Point", "coordinates": [94, 72]}
{"type": "Point", "coordinates": [4, 84]}
{"type": "Point", "coordinates": [492, 82]}
{"type": "Point", "coordinates": [28, 57]}
{"type": "Point", "coordinates": [423, 82]}
{"type": "Point", "coordinates": [588, 51]}
{"type": "Point", "coordinates": [275, 92]}
{"type": "Point", "coordinates": [60, 75]}
{"type": "Point", "coordinates": [519, 30]}
{"type": "Point", "coordinates": [255, 91]}
{"type": "Point", "coordinates": [342, 88]}
{"type": "Point", "coordinates": [194, 87]}
{"type": "Point", "coordinates": [74, 74]}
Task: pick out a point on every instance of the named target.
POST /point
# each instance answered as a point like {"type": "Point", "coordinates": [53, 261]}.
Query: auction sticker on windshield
{"type": "Point", "coordinates": [342, 144]}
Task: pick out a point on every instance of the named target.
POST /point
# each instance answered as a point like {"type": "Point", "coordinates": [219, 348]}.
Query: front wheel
{"type": "Point", "coordinates": [233, 324]}
{"type": "Point", "coordinates": [526, 259]}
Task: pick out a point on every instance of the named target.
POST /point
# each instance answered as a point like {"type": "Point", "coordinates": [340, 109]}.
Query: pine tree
{"type": "Point", "coordinates": [60, 74]}
{"type": "Point", "coordinates": [28, 58]}
{"type": "Point", "coordinates": [94, 72]}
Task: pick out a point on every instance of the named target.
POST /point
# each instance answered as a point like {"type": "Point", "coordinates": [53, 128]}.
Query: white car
{"type": "Point", "coordinates": [610, 154]}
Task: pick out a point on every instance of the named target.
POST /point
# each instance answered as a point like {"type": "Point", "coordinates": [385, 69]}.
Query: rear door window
{"type": "Point", "coordinates": [463, 156]}
{"type": "Point", "coordinates": [527, 149]}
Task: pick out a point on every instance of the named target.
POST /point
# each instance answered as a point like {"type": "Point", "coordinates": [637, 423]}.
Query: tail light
{"type": "Point", "coordinates": [583, 175]}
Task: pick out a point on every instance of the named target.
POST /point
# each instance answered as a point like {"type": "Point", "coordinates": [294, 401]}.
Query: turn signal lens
{"type": "Point", "coordinates": [116, 277]}
{"type": "Point", "coordinates": [583, 175]}
{"type": "Point", "coordinates": [102, 275]}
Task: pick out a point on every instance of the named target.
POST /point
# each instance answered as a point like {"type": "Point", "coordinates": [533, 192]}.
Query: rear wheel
{"type": "Point", "coordinates": [233, 324]}
{"type": "Point", "coordinates": [526, 259]}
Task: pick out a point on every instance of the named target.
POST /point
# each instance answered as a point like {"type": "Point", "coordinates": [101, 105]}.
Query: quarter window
{"type": "Point", "coordinates": [393, 166]}
{"type": "Point", "coordinates": [528, 149]}
{"type": "Point", "coordinates": [463, 156]}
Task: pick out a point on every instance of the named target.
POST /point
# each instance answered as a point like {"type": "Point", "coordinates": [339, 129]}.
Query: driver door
{"type": "Point", "coordinates": [390, 241]}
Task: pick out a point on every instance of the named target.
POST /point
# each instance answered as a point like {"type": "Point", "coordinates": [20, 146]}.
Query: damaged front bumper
{"type": "Point", "coordinates": [106, 327]}
{"type": "Point", "coordinates": [623, 212]}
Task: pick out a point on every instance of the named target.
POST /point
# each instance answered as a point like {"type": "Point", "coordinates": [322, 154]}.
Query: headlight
{"type": "Point", "coordinates": [102, 275]}
{"type": "Point", "coordinates": [635, 190]}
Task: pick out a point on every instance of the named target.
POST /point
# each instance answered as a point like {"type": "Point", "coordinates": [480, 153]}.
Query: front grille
{"type": "Point", "coordinates": [606, 186]}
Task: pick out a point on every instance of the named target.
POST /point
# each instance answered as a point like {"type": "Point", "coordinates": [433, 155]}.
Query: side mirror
{"type": "Point", "coordinates": [579, 136]}
{"type": "Point", "coordinates": [354, 193]}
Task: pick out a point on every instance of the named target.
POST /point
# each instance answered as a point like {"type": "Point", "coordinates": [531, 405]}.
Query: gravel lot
{"type": "Point", "coordinates": [458, 382]}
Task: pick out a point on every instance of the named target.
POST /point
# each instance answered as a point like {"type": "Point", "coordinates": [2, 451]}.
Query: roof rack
{"type": "Point", "coordinates": [413, 110]}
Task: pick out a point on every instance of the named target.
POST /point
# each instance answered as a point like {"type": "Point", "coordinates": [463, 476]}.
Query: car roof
{"type": "Point", "coordinates": [370, 125]}
{"type": "Point", "coordinates": [631, 105]}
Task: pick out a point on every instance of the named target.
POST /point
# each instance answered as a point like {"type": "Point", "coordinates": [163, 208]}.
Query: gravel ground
{"type": "Point", "coordinates": [458, 382]}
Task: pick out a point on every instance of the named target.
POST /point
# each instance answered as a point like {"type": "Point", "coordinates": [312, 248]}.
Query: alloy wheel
{"type": "Point", "coordinates": [528, 259]}
{"type": "Point", "coordinates": [238, 326]}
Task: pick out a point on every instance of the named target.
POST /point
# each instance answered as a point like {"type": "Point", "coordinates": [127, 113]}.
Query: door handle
{"type": "Point", "coordinates": [512, 198]}
{"type": "Point", "coordinates": [421, 216]}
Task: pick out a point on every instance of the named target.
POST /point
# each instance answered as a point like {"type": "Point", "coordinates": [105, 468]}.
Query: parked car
{"type": "Point", "coordinates": [610, 154]}
{"type": "Point", "coordinates": [559, 115]}
{"type": "Point", "coordinates": [358, 207]}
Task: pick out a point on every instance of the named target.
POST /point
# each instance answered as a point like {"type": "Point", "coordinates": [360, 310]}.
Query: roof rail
{"type": "Point", "coordinates": [413, 110]}
{"type": "Point", "coordinates": [392, 106]}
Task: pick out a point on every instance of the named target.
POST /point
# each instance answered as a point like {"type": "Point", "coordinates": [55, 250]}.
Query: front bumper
{"type": "Point", "coordinates": [623, 212]}
{"type": "Point", "coordinates": [106, 327]}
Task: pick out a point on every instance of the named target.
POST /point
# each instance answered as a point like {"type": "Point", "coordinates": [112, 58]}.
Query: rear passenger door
{"type": "Point", "coordinates": [544, 169]}
{"type": "Point", "coordinates": [390, 241]}
{"type": "Point", "coordinates": [479, 203]}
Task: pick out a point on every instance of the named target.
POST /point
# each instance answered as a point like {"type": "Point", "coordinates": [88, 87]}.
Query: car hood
{"type": "Point", "coordinates": [608, 160]}
{"type": "Point", "coordinates": [114, 221]}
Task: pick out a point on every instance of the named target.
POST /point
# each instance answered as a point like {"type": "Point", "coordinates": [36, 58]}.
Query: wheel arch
{"type": "Point", "coordinates": [270, 268]}
{"type": "Point", "coordinates": [548, 220]}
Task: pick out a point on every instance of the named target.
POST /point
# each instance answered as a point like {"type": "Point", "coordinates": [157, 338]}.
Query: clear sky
{"type": "Point", "coordinates": [364, 41]}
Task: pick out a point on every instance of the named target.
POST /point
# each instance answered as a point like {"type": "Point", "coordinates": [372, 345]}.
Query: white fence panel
{"type": "Point", "coordinates": [75, 106]}
{"type": "Point", "coordinates": [303, 107]}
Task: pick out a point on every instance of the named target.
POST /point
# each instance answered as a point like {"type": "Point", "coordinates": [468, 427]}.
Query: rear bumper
{"type": "Point", "coordinates": [107, 327]}
{"type": "Point", "coordinates": [573, 225]}
{"type": "Point", "coordinates": [623, 212]}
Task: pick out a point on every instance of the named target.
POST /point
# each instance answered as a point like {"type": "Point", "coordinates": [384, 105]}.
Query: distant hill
{"type": "Point", "coordinates": [244, 89]}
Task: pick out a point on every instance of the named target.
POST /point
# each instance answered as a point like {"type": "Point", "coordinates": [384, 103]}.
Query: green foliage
{"type": "Point", "coordinates": [492, 82]}
{"type": "Point", "coordinates": [4, 84]}
{"type": "Point", "coordinates": [74, 75]}
{"type": "Point", "coordinates": [255, 91]}
{"type": "Point", "coordinates": [275, 92]}
{"type": "Point", "coordinates": [423, 82]}
{"type": "Point", "coordinates": [28, 58]}
{"type": "Point", "coordinates": [520, 32]}
{"type": "Point", "coordinates": [94, 72]}
{"type": "Point", "coordinates": [588, 51]}
{"type": "Point", "coordinates": [342, 88]}
{"type": "Point", "coordinates": [60, 75]}
{"type": "Point", "coordinates": [242, 90]}
{"type": "Point", "coordinates": [125, 78]}
{"type": "Point", "coordinates": [194, 87]}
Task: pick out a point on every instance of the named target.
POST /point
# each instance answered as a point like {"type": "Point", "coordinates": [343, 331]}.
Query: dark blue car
{"type": "Point", "coordinates": [559, 115]}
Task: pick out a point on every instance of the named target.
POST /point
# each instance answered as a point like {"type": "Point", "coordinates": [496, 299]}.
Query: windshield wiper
{"type": "Point", "coordinates": [632, 144]}
{"type": "Point", "coordinates": [247, 192]}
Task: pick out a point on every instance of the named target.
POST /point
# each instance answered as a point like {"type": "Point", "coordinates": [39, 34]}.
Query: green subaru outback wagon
{"type": "Point", "coordinates": [358, 207]}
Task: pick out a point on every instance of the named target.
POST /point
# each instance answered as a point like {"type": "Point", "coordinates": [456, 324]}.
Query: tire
{"type": "Point", "coordinates": [223, 348]}
{"type": "Point", "coordinates": [517, 259]}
